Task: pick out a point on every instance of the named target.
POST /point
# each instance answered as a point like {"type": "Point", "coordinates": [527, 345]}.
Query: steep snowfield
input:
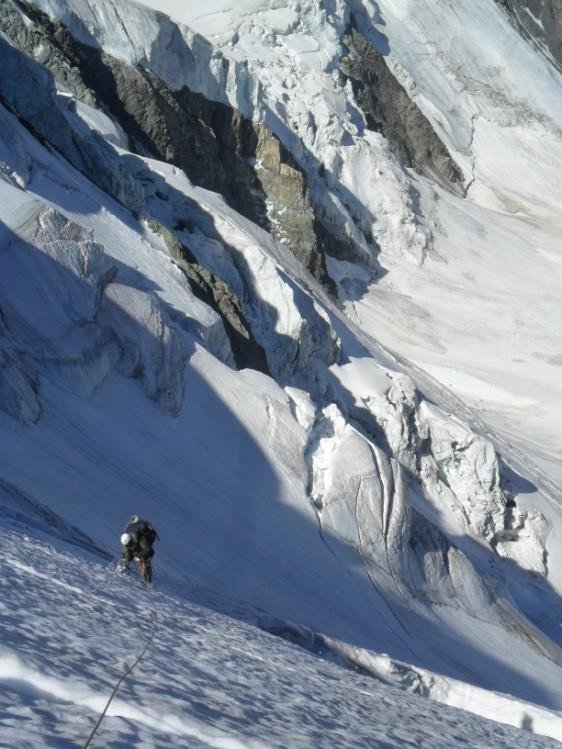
{"type": "Point", "coordinates": [71, 627]}
{"type": "Point", "coordinates": [348, 501]}
{"type": "Point", "coordinates": [225, 460]}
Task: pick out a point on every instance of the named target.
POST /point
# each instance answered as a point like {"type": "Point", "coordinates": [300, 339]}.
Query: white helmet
{"type": "Point", "coordinates": [125, 539]}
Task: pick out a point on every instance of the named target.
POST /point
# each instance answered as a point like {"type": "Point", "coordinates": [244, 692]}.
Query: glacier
{"type": "Point", "coordinates": [322, 359]}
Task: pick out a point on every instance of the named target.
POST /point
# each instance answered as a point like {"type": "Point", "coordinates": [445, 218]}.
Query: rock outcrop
{"type": "Point", "coordinates": [217, 294]}
{"type": "Point", "coordinates": [216, 146]}
{"type": "Point", "coordinates": [390, 111]}
{"type": "Point", "coordinates": [540, 21]}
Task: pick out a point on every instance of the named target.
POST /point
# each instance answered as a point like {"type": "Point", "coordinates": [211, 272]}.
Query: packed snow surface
{"type": "Point", "coordinates": [71, 626]}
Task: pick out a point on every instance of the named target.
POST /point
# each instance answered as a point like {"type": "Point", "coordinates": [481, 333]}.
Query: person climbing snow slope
{"type": "Point", "coordinates": [137, 544]}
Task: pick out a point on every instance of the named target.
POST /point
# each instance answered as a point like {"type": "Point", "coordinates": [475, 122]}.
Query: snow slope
{"type": "Point", "coordinates": [207, 679]}
{"type": "Point", "coordinates": [333, 495]}
{"type": "Point", "coordinates": [496, 104]}
{"type": "Point", "coordinates": [227, 476]}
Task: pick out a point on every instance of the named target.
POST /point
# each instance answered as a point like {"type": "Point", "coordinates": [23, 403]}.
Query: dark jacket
{"type": "Point", "coordinates": [142, 536]}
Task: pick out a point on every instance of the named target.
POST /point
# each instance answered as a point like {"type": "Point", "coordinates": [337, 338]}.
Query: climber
{"type": "Point", "coordinates": [137, 541]}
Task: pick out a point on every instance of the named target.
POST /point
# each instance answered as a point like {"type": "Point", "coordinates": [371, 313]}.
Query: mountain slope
{"type": "Point", "coordinates": [207, 679]}
{"type": "Point", "coordinates": [335, 487]}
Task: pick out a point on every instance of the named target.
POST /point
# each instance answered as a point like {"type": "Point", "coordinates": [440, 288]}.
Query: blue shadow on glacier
{"type": "Point", "coordinates": [232, 535]}
{"type": "Point", "coordinates": [252, 544]}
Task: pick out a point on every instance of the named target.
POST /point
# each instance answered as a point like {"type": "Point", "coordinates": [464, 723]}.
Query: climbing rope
{"type": "Point", "coordinates": [123, 677]}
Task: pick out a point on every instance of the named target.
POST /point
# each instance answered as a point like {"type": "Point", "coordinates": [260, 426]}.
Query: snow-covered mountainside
{"type": "Point", "coordinates": [285, 279]}
{"type": "Point", "coordinates": [206, 679]}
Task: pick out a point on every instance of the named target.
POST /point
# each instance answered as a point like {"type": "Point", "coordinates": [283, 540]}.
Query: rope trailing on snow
{"type": "Point", "coordinates": [123, 677]}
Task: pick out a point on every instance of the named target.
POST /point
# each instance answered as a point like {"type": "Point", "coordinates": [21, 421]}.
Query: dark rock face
{"type": "Point", "coordinates": [218, 295]}
{"type": "Point", "coordinates": [540, 21]}
{"type": "Point", "coordinates": [389, 110]}
{"type": "Point", "coordinates": [46, 42]}
{"type": "Point", "coordinates": [28, 89]}
{"type": "Point", "coordinates": [291, 212]}
{"type": "Point", "coordinates": [215, 145]}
